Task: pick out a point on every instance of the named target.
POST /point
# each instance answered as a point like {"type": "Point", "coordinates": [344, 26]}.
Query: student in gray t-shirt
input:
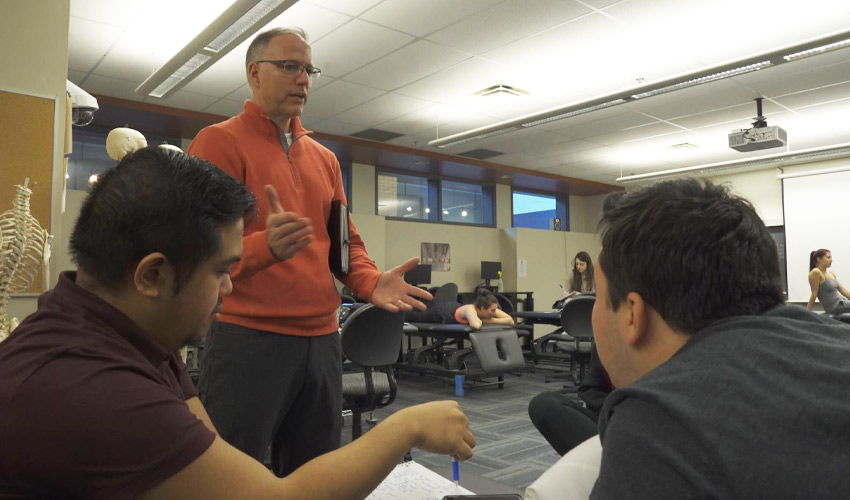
{"type": "Point", "coordinates": [834, 298]}
{"type": "Point", "coordinates": [722, 391]}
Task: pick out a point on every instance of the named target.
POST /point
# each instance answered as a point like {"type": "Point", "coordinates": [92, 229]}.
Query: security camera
{"type": "Point", "coordinates": [83, 104]}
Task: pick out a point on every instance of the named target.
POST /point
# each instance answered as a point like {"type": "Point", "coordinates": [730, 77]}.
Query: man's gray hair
{"type": "Point", "coordinates": [261, 41]}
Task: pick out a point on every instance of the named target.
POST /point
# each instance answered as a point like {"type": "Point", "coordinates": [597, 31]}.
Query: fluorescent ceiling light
{"type": "Point", "coordinates": [574, 112]}
{"type": "Point", "coordinates": [704, 79]}
{"type": "Point", "coordinates": [817, 50]}
{"type": "Point", "coordinates": [782, 55]}
{"type": "Point", "coordinates": [778, 159]}
{"type": "Point", "coordinates": [449, 143]}
{"type": "Point", "coordinates": [241, 20]}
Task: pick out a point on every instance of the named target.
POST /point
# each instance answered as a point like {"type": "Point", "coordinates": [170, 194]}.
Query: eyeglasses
{"type": "Point", "coordinates": [294, 67]}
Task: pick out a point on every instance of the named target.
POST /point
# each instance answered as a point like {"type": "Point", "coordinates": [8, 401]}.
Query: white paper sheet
{"type": "Point", "coordinates": [411, 481]}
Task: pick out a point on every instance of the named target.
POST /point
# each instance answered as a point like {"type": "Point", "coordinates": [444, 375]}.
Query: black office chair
{"type": "Point", "coordinates": [576, 321]}
{"type": "Point", "coordinates": [446, 293]}
{"type": "Point", "coordinates": [574, 339]}
{"type": "Point", "coordinates": [371, 339]}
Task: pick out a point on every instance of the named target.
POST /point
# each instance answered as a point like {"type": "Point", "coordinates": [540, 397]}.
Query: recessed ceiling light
{"type": "Point", "coordinates": [92, 178]}
{"type": "Point", "coordinates": [445, 212]}
{"type": "Point", "coordinates": [501, 89]}
{"type": "Point", "coordinates": [683, 145]}
{"type": "Point", "coordinates": [427, 210]}
{"type": "Point", "coordinates": [409, 209]}
{"type": "Point", "coordinates": [463, 213]}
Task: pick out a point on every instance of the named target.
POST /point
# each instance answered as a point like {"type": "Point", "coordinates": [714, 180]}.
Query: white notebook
{"type": "Point", "coordinates": [411, 481]}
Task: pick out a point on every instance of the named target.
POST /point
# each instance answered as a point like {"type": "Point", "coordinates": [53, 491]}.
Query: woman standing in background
{"type": "Point", "coordinates": [833, 297]}
{"type": "Point", "coordinates": [581, 280]}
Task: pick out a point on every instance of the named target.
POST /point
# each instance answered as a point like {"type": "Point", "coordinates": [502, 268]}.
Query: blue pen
{"type": "Point", "coordinates": [455, 471]}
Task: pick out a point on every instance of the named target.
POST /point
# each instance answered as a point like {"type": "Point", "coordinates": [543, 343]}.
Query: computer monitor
{"type": "Point", "coordinates": [490, 270]}
{"type": "Point", "coordinates": [419, 275]}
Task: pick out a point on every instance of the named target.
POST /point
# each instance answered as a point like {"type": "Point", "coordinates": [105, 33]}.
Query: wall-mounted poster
{"type": "Point", "coordinates": [438, 255]}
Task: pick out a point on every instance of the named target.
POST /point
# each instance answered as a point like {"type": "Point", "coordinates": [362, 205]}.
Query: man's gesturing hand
{"type": "Point", "coordinates": [286, 233]}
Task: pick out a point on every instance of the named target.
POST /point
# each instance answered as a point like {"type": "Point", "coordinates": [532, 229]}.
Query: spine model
{"type": "Point", "coordinates": [24, 249]}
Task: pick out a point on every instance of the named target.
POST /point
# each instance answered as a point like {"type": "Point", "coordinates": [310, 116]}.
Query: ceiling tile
{"type": "Point", "coordinates": [816, 97]}
{"type": "Point", "coordinates": [457, 83]}
{"type": "Point", "coordinates": [350, 7]}
{"type": "Point", "coordinates": [354, 45]}
{"type": "Point", "coordinates": [336, 97]}
{"type": "Point", "coordinates": [789, 21]}
{"type": "Point", "coordinates": [561, 150]}
{"type": "Point", "coordinates": [447, 119]}
{"type": "Point", "coordinates": [618, 122]}
{"type": "Point", "coordinates": [90, 40]}
{"type": "Point", "coordinates": [76, 76]}
{"type": "Point", "coordinates": [694, 100]}
{"type": "Point", "coordinates": [411, 141]}
{"type": "Point", "coordinates": [240, 94]}
{"type": "Point", "coordinates": [185, 100]}
{"type": "Point", "coordinates": [782, 80]}
{"type": "Point", "coordinates": [505, 23]}
{"type": "Point", "coordinates": [407, 65]}
{"type": "Point", "coordinates": [739, 115]}
{"type": "Point", "coordinates": [334, 127]}
{"type": "Point", "coordinates": [114, 87]}
{"type": "Point", "coordinates": [382, 109]}
{"type": "Point", "coordinates": [422, 18]}
{"type": "Point", "coordinates": [225, 107]}
{"type": "Point", "coordinates": [314, 20]}
{"type": "Point", "coordinates": [105, 11]}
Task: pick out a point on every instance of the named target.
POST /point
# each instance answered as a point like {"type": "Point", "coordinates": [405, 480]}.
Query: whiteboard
{"type": "Point", "coordinates": [817, 215]}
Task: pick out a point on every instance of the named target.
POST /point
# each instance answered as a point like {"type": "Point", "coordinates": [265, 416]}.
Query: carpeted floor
{"type": "Point", "coordinates": [509, 449]}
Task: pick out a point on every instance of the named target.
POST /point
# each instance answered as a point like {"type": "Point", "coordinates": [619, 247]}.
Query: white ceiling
{"type": "Point", "coordinates": [411, 67]}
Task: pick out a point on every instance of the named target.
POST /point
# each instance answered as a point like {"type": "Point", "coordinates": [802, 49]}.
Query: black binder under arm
{"type": "Point", "coordinates": [338, 257]}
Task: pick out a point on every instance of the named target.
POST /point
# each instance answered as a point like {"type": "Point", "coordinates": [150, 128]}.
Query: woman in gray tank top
{"type": "Point", "coordinates": [834, 298]}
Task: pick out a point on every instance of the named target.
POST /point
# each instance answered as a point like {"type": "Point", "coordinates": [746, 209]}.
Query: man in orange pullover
{"type": "Point", "coordinates": [272, 364]}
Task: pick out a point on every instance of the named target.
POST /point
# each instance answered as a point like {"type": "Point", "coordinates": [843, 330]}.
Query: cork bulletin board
{"type": "Point", "coordinates": [26, 150]}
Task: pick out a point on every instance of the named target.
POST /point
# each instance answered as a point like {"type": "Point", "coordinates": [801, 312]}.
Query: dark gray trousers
{"type": "Point", "coordinates": [263, 388]}
{"type": "Point", "coordinates": [562, 421]}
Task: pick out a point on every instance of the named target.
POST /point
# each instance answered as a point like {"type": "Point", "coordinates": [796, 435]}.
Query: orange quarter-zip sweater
{"type": "Point", "coordinates": [296, 296]}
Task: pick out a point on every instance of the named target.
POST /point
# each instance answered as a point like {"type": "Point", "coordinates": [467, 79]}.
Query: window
{"type": "Point", "coordinates": [537, 211]}
{"type": "Point", "coordinates": [406, 196]}
{"type": "Point", "coordinates": [89, 159]}
{"type": "Point", "coordinates": [428, 199]}
{"type": "Point", "coordinates": [467, 203]}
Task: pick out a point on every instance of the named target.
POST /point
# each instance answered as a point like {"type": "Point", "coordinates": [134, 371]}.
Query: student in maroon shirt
{"type": "Point", "coordinates": [94, 402]}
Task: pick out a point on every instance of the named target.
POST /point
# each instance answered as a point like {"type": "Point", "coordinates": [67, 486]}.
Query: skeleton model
{"type": "Point", "coordinates": [24, 248]}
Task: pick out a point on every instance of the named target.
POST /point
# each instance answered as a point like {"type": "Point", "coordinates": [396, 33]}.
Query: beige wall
{"type": "Point", "coordinates": [764, 190]}
{"type": "Point", "coordinates": [35, 62]}
{"type": "Point", "coordinates": [468, 247]}
{"type": "Point", "coordinates": [372, 229]}
{"type": "Point", "coordinates": [363, 189]}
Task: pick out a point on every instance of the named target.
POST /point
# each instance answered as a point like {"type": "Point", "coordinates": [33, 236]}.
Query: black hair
{"type": "Point", "coordinates": [575, 279]}
{"type": "Point", "coordinates": [485, 299]}
{"type": "Point", "coordinates": [814, 256]}
{"type": "Point", "coordinates": [692, 250]}
{"type": "Point", "coordinates": [155, 200]}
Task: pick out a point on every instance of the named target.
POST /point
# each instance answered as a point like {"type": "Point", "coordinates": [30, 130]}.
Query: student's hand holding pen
{"type": "Point", "coordinates": [440, 427]}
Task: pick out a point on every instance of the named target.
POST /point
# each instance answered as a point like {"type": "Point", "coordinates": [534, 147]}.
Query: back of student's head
{"type": "Point", "coordinates": [815, 255]}
{"type": "Point", "coordinates": [155, 200]}
{"type": "Point", "coordinates": [692, 250]}
{"type": "Point", "coordinates": [485, 299]}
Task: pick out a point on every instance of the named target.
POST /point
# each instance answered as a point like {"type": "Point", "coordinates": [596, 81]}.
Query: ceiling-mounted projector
{"type": "Point", "coordinates": [760, 136]}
